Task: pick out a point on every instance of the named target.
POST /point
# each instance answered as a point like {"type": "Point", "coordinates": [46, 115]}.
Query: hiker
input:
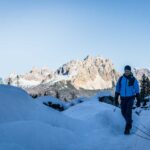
{"type": "Point", "coordinates": [128, 89]}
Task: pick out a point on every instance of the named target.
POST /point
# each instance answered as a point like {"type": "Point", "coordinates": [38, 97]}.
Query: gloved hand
{"type": "Point", "coordinates": [116, 99]}
{"type": "Point", "coordinates": [138, 104]}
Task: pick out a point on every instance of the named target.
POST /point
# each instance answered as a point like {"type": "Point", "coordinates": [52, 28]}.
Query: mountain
{"type": "Point", "coordinates": [33, 78]}
{"type": "Point", "coordinates": [139, 72]}
{"type": "Point", "coordinates": [92, 73]}
{"type": "Point", "coordinates": [73, 79]}
{"type": "Point", "coordinates": [1, 81]}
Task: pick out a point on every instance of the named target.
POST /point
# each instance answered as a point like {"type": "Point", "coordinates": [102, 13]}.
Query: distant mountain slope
{"type": "Point", "coordinates": [73, 79]}
{"type": "Point", "coordinates": [139, 72]}
{"type": "Point", "coordinates": [1, 81]}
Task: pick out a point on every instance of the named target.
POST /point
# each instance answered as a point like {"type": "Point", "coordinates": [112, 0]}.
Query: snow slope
{"type": "Point", "coordinates": [26, 124]}
{"type": "Point", "coordinates": [107, 126]}
{"type": "Point", "coordinates": [45, 99]}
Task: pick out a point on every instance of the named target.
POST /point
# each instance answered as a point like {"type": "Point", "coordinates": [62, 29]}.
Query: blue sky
{"type": "Point", "coordinates": [51, 33]}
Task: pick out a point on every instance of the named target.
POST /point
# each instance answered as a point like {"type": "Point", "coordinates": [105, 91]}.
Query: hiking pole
{"type": "Point", "coordinates": [138, 111]}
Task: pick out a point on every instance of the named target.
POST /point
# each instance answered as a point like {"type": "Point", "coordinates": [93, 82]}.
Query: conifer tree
{"type": "Point", "coordinates": [145, 88]}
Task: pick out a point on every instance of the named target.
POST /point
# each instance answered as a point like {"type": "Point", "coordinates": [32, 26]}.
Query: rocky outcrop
{"type": "Point", "coordinates": [92, 73]}
{"type": "Point", "coordinates": [73, 79]}
{"type": "Point", "coordinates": [139, 73]}
{"type": "Point", "coordinates": [1, 81]}
{"type": "Point", "coordinates": [31, 79]}
{"type": "Point", "coordinates": [79, 78]}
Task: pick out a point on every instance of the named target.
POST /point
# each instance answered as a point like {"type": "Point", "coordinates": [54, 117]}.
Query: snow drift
{"type": "Point", "coordinates": [26, 124]}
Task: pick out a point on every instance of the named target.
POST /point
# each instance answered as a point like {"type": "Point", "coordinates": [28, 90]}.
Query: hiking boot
{"type": "Point", "coordinates": [127, 131]}
{"type": "Point", "coordinates": [130, 126]}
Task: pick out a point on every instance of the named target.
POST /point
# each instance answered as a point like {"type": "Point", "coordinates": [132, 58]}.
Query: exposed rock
{"type": "Point", "coordinates": [33, 78]}
{"type": "Point", "coordinates": [1, 81]}
{"type": "Point", "coordinates": [139, 73]}
{"type": "Point", "coordinates": [92, 73]}
{"type": "Point", "coordinates": [74, 79]}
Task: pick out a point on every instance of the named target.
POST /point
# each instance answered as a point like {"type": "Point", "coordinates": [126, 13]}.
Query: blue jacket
{"type": "Point", "coordinates": [127, 86]}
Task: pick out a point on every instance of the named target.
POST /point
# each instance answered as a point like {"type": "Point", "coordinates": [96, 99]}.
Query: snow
{"type": "Point", "coordinates": [36, 135]}
{"type": "Point", "coordinates": [27, 124]}
{"type": "Point", "coordinates": [45, 99]}
{"type": "Point", "coordinates": [28, 83]}
{"type": "Point", "coordinates": [60, 77]}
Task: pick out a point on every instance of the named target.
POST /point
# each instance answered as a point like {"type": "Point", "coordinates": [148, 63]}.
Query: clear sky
{"type": "Point", "coordinates": [51, 33]}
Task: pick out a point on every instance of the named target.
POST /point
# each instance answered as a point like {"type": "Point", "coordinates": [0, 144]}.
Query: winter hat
{"type": "Point", "coordinates": [127, 68]}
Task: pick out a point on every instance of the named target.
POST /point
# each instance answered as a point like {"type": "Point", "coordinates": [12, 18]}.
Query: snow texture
{"type": "Point", "coordinates": [27, 124]}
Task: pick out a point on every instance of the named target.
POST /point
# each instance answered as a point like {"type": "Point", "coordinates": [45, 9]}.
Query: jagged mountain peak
{"type": "Point", "coordinates": [1, 80]}
{"type": "Point", "coordinates": [139, 72]}
{"type": "Point", "coordinates": [91, 73]}
{"type": "Point", "coordinates": [89, 57]}
{"type": "Point", "coordinates": [89, 61]}
{"type": "Point", "coordinates": [34, 77]}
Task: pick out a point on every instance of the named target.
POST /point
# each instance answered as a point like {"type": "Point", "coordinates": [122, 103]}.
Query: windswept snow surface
{"type": "Point", "coordinates": [46, 99]}
{"type": "Point", "coordinates": [26, 124]}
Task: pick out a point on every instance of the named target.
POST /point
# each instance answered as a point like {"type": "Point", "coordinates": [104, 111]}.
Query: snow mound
{"type": "Point", "coordinates": [46, 99]}
{"type": "Point", "coordinates": [13, 104]}
{"type": "Point", "coordinates": [35, 135]}
{"type": "Point", "coordinates": [26, 124]}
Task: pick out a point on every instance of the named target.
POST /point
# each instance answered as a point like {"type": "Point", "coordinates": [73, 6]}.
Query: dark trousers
{"type": "Point", "coordinates": [126, 109]}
